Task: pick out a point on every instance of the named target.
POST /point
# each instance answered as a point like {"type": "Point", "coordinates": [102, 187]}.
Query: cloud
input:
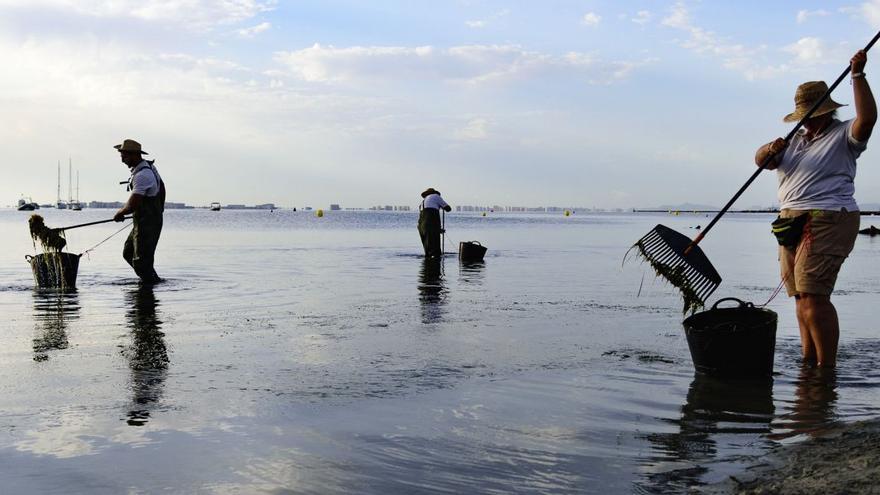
{"type": "Point", "coordinates": [254, 30]}
{"type": "Point", "coordinates": [479, 24]}
{"type": "Point", "coordinates": [642, 17]}
{"type": "Point", "coordinates": [870, 11]}
{"type": "Point", "coordinates": [471, 64]}
{"type": "Point", "coordinates": [591, 19]}
{"type": "Point", "coordinates": [804, 15]}
{"type": "Point", "coordinates": [198, 14]}
{"type": "Point", "coordinates": [475, 129]}
{"type": "Point", "coordinates": [733, 56]}
{"type": "Point", "coordinates": [807, 50]}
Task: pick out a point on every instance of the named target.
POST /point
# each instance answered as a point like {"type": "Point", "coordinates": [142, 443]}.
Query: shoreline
{"type": "Point", "coordinates": [844, 459]}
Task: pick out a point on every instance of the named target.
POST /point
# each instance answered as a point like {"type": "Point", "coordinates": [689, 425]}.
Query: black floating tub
{"type": "Point", "coordinates": [471, 251]}
{"type": "Point", "coordinates": [54, 270]}
{"type": "Point", "coordinates": [736, 342]}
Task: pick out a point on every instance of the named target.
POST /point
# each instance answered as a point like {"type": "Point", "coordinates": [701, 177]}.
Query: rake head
{"type": "Point", "coordinates": [682, 263]}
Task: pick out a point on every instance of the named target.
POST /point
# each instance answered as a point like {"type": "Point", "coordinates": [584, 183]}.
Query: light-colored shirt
{"type": "Point", "coordinates": [434, 201]}
{"type": "Point", "coordinates": [145, 179]}
{"type": "Point", "coordinates": [820, 174]}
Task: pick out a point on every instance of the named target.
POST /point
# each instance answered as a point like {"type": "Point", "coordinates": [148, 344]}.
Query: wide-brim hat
{"type": "Point", "coordinates": [429, 191]}
{"type": "Point", "coordinates": [806, 96]}
{"type": "Point", "coordinates": [130, 145]}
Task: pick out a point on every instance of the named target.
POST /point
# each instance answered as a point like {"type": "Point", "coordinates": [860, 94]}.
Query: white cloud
{"type": "Point", "coordinates": [870, 11]}
{"type": "Point", "coordinates": [732, 56]}
{"type": "Point", "coordinates": [254, 30]}
{"type": "Point", "coordinates": [481, 23]}
{"type": "Point", "coordinates": [198, 14]}
{"type": "Point", "coordinates": [807, 50]}
{"type": "Point", "coordinates": [642, 17]}
{"type": "Point", "coordinates": [472, 64]}
{"type": "Point", "coordinates": [804, 15]}
{"type": "Point", "coordinates": [475, 129]}
{"type": "Point", "coordinates": [591, 19]}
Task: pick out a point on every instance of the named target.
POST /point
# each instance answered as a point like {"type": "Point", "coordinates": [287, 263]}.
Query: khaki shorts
{"type": "Point", "coordinates": [828, 238]}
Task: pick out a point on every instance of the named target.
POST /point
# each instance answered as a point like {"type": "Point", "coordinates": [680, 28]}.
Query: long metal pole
{"type": "Point", "coordinates": [86, 224]}
{"type": "Point", "coordinates": [443, 231]}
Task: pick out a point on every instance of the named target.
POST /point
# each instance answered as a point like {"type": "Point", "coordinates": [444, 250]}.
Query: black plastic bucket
{"type": "Point", "coordinates": [471, 251]}
{"type": "Point", "coordinates": [54, 270]}
{"type": "Point", "coordinates": [732, 342]}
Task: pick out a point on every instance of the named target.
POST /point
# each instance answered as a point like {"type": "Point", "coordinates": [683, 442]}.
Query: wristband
{"type": "Point", "coordinates": [857, 75]}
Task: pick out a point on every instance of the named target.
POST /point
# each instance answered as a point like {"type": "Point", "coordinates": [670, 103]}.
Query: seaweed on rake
{"type": "Point", "coordinates": [51, 240]}
{"type": "Point", "coordinates": [675, 276]}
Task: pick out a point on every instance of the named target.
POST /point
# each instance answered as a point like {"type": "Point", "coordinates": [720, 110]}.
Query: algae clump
{"type": "Point", "coordinates": [676, 277]}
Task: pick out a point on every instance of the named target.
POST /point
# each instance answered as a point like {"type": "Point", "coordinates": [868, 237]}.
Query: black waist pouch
{"type": "Point", "coordinates": [788, 231]}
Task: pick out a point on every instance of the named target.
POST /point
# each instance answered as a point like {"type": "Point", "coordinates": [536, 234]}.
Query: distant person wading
{"type": "Point", "coordinates": [816, 172]}
{"type": "Point", "coordinates": [429, 222]}
{"type": "Point", "coordinates": [146, 204]}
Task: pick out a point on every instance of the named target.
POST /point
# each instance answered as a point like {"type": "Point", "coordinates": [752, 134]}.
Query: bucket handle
{"type": "Point", "coordinates": [28, 258]}
{"type": "Point", "coordinates": [742, 304]}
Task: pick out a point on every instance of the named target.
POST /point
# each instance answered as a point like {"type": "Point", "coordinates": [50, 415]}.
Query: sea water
{"type": "Point", "coordinates": [287, 353]}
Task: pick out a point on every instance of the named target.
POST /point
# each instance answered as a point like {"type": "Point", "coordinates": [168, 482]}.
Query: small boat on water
{"type": "Point", "coordinates": [871, 231]}
{"type": "Point", "coordinates": [26, 204]}
{"type": "Point", "coordinates": [215, 206]}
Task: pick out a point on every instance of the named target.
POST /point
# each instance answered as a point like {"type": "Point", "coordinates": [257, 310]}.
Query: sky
{"type": "Point", "coordinates": [612, 104]}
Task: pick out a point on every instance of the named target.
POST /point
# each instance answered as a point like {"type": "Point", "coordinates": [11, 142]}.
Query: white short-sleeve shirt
{"type": "Point", "coordinates": [145, 179]}
{"type": "Point", "coordinates": [434, 201]}
{"type": "Point", "coordinates": [820, 174]}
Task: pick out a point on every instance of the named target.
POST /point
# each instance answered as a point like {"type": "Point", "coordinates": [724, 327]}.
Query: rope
{"type": "Point", "coordinates": [803, 247]}
{"type": "Point", "coordinates": [86, 252]}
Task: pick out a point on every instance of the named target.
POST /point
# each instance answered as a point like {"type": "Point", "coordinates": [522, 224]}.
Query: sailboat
{"type": "Point", "coordinates": [71, 204]}
{"type": "Point", "coordinates": [75, 205]}
{"type": "Point", "coordinates": [61, 205]}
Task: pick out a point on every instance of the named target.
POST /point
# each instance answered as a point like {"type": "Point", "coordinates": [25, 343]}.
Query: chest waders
{"type": "Point", "coordinates": [429, 231]}
{"type": "Point", "coordinates": [140, 247]}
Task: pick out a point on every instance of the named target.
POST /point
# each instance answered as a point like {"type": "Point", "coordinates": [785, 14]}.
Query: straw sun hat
{"type": "Point", "coordinates": [130, 145]}
{"type": "Point", "coordinates": [806, 96]}
{"type": "Point", "coordinates": [429, 191]}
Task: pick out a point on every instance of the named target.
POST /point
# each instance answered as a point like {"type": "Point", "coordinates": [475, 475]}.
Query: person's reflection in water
{"type": "Point", "coordinates": [813, 409]}
{"type": "Point", "coordinates": [714, 408]}
{"type": "Point", "coordinates": [53, 309]}
{"type": "Point", "coordinates": [147, 355]}
{"type": "Point", "coordinates": [432, 290]}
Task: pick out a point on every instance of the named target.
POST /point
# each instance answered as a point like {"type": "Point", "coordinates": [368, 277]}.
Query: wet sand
{"type": "Point", "coordinates": [845, 459]}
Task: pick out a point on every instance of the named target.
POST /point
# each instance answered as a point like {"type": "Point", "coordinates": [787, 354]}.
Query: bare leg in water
{"type": "Point", "coordinates": [819, 328]}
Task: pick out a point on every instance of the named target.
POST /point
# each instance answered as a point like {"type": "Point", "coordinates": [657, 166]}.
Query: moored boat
{"type": "Point", "coordinates": [26, 204]}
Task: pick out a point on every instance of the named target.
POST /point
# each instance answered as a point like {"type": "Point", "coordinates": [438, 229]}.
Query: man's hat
{"type": "Point", "coordinates": [130, 145]}
{"type": "Point", "coordinates": [429, 191]}
{"type": "Point", "coordinates": [806, 96]}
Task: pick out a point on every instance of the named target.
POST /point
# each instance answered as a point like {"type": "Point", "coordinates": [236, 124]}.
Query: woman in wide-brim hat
{"type": "Point", "coordinates": [816, 172]}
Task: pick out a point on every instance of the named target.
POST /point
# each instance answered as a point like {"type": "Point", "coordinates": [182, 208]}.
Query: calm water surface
{"type": "Point", "coordinates": [291, 354]}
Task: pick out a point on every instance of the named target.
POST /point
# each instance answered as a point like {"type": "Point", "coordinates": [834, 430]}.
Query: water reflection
{"type": "Point", "coordinates": [432, 290]}
{"type": "Point", "coordinates": [53, 310]}
{"type": "Point", "coordinates": [813, 409]}
{"type": "Point", "coordinates": [714, 408]}
{"type": "Point", "coordinates": [471, 272]}
{"type": "Point", "coordinates": [147, 355]}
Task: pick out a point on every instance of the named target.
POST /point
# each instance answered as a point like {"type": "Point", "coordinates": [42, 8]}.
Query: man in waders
{"type": "Point", "coordinates": [429, 222]}
{"type": "Point", "coordinates": [146, 204]}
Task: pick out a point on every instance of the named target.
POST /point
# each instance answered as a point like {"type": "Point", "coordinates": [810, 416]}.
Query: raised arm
{"type": "Point", "coordinates": [866, 107]}
{"type": "Point", "coordinates": [773, 148]}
